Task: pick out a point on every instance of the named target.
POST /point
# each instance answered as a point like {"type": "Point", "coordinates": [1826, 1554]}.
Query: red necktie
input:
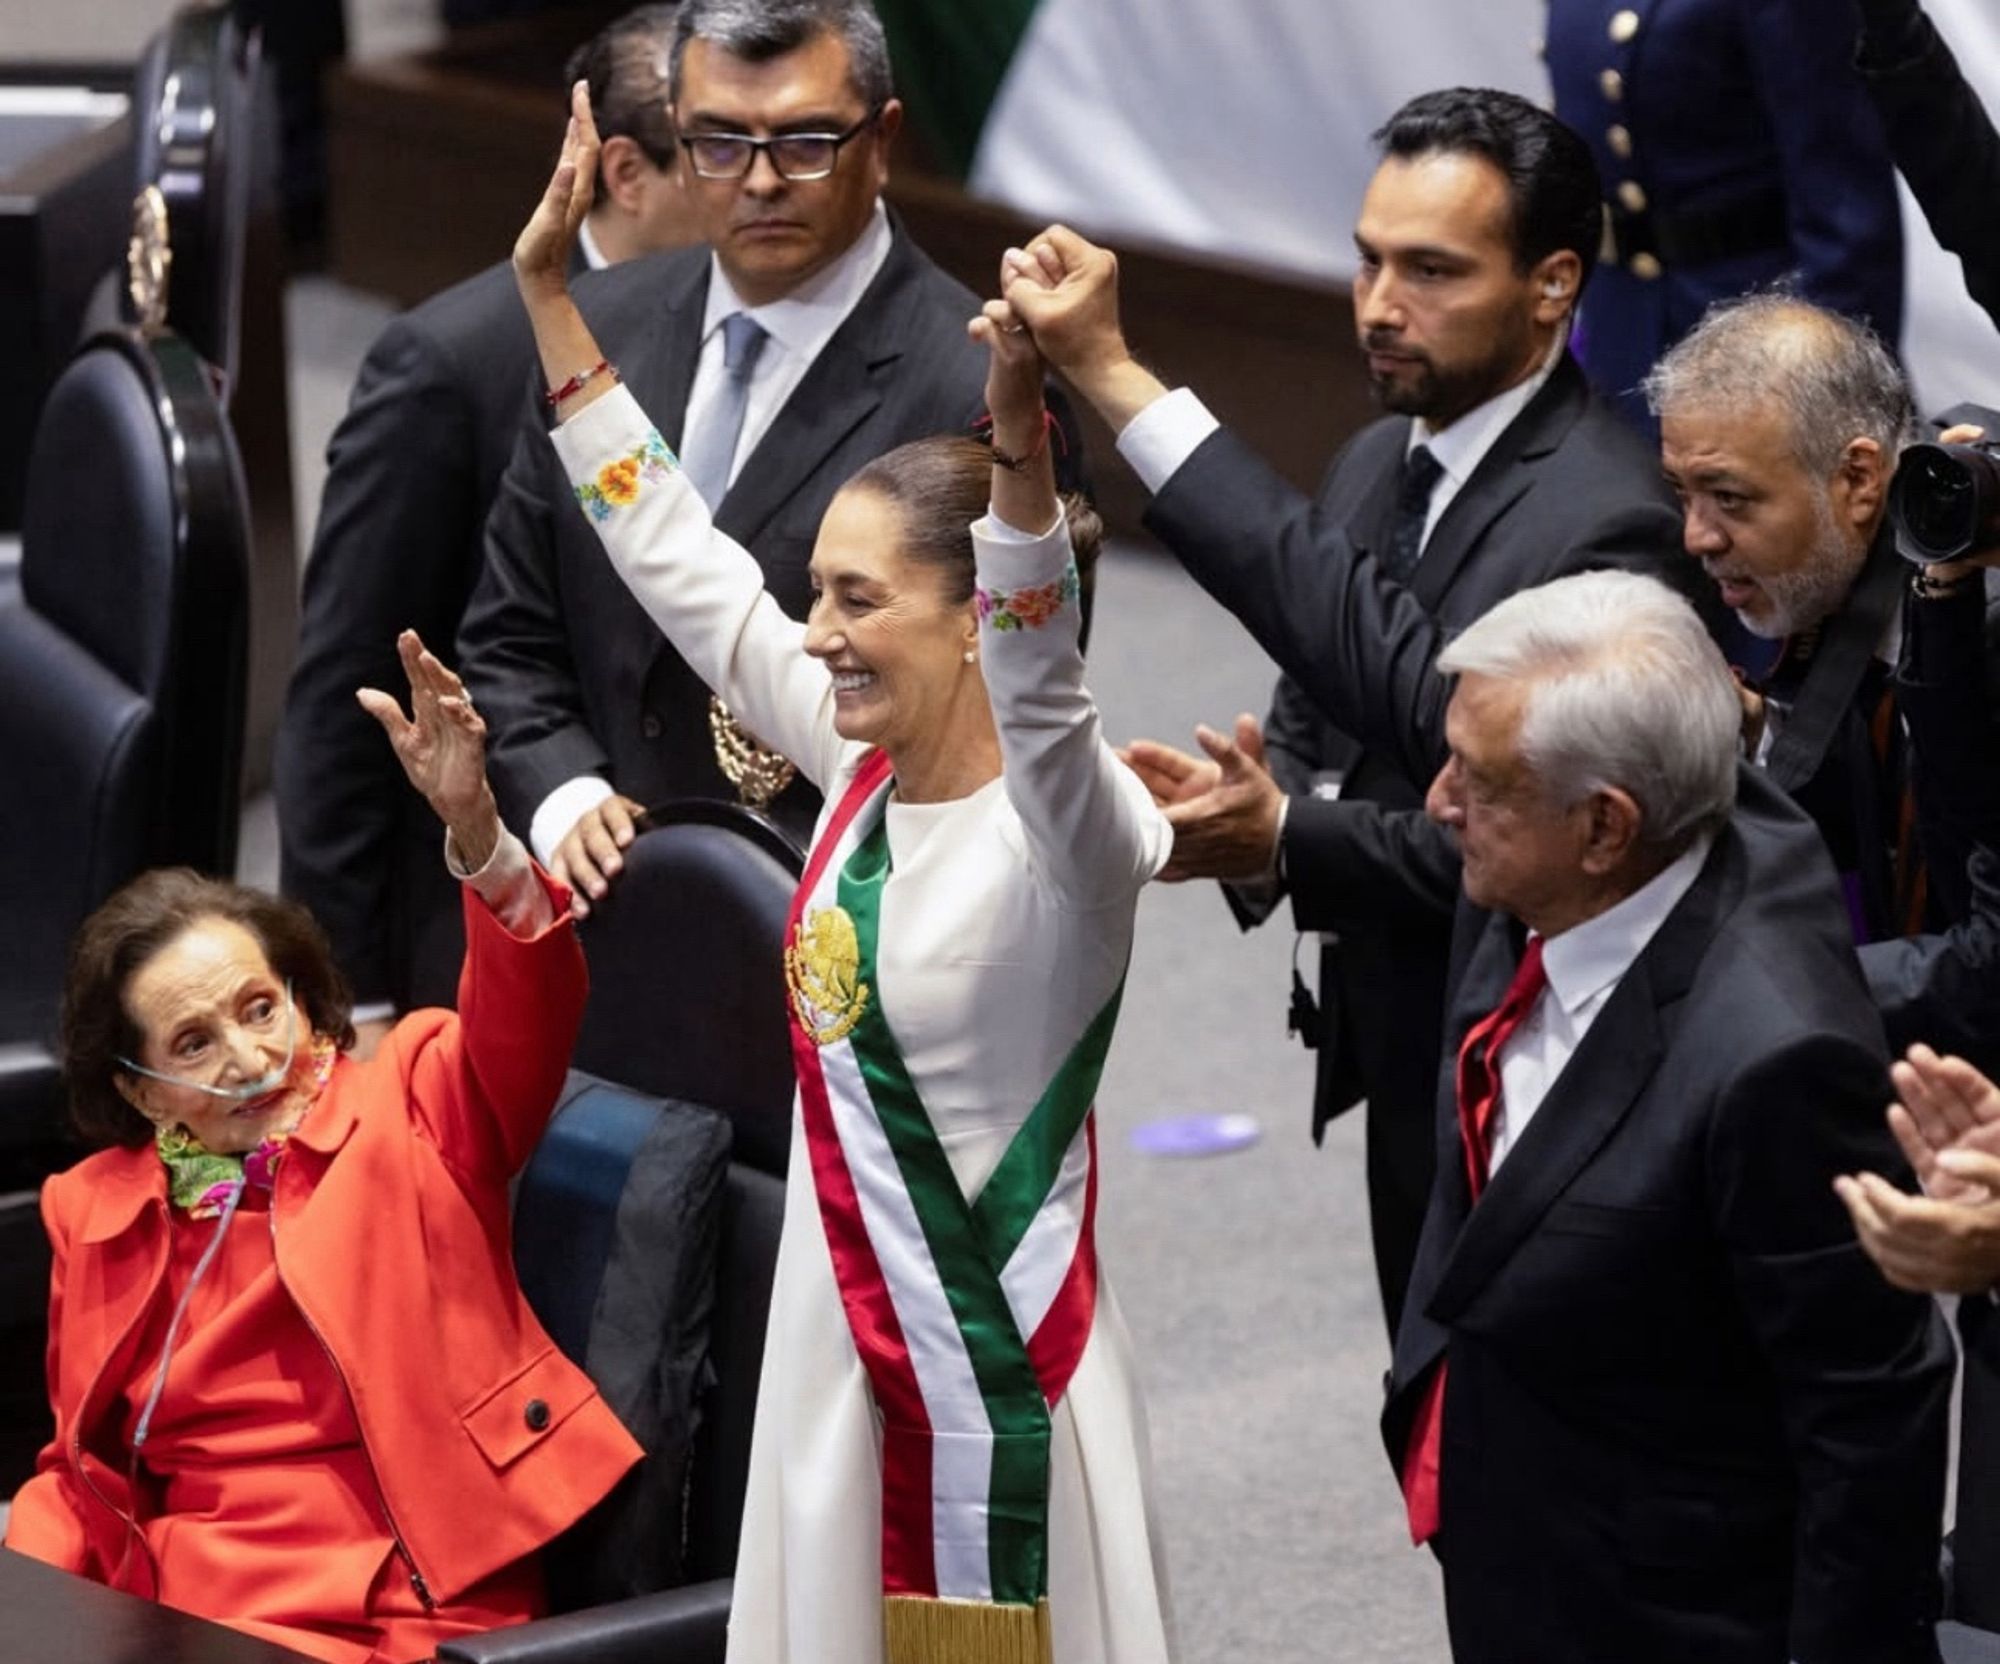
{"type": "Point", "coordinates": [1478, 1098]}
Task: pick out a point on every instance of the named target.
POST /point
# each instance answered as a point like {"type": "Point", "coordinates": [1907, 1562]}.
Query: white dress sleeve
{"type": "Point", "coordinates": [701, 587]}
{"type": "Point", "coordinates": [1092, 830]}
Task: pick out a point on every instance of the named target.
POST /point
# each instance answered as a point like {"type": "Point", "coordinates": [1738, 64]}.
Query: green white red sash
{"type": "Point", "coordinates": [969, 1316]}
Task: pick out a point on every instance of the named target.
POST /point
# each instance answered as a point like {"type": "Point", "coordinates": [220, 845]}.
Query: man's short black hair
{"type": "Point", "coordinates": [626, 66]}
{"type": "Point", "coordinates": [1552, 182]}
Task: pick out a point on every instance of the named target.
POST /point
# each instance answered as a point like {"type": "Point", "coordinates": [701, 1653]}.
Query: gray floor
{"type": "Point", "coordinates": [1245, 1278]}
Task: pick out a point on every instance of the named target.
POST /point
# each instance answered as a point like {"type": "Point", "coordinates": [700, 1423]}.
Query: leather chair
{"type": "Point", "coordinates": [195, 88]}
{"type": "Point", "coordinates": [206, 134]}
{"type": "Point", "coordinates": [688, 1003]}
{"type": "Point", "coordinates": [121, 706]}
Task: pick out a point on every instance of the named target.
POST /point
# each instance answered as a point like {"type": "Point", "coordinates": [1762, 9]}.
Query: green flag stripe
{"type": "Point", "coordinates": [1016, 1412]}
{"type": "Point", "coordinates": [1014, 1194]}
{"type": "Point", "coordinates": [950, 62]}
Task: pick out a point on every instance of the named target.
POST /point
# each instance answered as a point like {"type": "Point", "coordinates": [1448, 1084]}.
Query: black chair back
{"type": "Point", "coordinates": [687, 1001]}
{"type": "Point", "coordinates": [122, 656]}
{"type": "Point", "coordinates": [195, 89]}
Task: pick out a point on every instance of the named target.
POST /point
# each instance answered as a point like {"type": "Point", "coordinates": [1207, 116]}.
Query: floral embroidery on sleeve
{"type": "Point", "coordinates": [616, 485]}
{"type": "Point", "coordinates": [1028, 609]}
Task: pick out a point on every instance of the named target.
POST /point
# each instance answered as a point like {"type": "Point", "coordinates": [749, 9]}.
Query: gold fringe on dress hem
{"type": "Point", "coordinates": [917, 1630]}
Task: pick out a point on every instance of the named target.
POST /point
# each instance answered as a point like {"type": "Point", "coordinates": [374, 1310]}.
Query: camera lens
{"type": "Point", "coordinates": [1935, 501]}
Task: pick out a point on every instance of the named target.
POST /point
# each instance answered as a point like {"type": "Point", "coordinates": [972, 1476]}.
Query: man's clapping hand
{"type": "Point", "coordinates": [1946, 1241]}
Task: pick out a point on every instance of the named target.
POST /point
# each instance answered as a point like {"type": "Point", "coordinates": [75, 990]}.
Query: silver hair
{"type": "Point", "coordinates": [759, 30]}
{"type": "Point", "coordinates": [1625, 689]}
{"type": "Point", "coordinates": [1837, 381]}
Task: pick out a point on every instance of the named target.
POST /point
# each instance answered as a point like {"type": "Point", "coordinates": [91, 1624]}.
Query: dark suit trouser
{"type": "Point", "coordinates": [1976, 1537]}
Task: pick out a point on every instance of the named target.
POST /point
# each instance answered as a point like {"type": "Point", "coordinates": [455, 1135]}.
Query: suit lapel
{"type": "Point", "coordinates": [664, 358]}
{"type": "Point", "coordinates": [1503, 474]}
{"type": "Point", "coordinates": [1489, 962]}
{"type": "Point", "coordinates": [1599, 1085]}
{"type": "Point", "coordinates": [1371, 520]}
{"type": "Point", "coordinates": [839, 392]}
{"type": "Point", "coordinates": [1845, 653]}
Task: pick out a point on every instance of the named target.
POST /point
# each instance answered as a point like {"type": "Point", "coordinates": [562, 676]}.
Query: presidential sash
{"type": "Point", "coordinates": [969, 1316]}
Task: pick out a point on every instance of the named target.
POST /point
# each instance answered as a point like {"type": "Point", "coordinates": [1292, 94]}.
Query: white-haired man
{"type": "Point", "coordinates": [1649, 1400]}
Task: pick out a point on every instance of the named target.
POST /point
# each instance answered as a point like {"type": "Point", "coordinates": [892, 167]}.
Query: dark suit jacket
{"type": "Point", "coordinates": [1564, 487]}
{"type": "Point", "coordinates": [1727, 111]}
{"type": "Point", "coordinates": [1684, 1417]}
{"type": "Point", "coordinates": [411, 472]}
{"type": "Point", "coordinates": [571, 675]}
{"type": "Point", "coordinates": [1940, 137]}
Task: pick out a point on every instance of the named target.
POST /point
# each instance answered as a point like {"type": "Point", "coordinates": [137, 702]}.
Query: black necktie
{"type": "Point", "coordinates": [1413, 507]}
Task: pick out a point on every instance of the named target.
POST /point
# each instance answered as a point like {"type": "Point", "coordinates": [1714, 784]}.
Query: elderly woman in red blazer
{"type": "Point", "coordinates": [296, 1386]}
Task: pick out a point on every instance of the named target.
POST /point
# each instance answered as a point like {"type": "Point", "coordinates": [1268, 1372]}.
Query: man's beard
{"type": "Point", "coordinates": [1813, 590]}
{"type": "Point", "coordinates": [1432, 395]}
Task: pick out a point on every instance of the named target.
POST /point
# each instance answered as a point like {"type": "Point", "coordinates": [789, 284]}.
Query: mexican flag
{"type": "Point", "coordinates": [1235, 127]}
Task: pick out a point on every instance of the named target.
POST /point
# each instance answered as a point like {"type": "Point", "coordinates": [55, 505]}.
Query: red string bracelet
{"type": "Point", "coordinates": [1014, 464]}
{"type": "Point", "coordinates": [576, 383]}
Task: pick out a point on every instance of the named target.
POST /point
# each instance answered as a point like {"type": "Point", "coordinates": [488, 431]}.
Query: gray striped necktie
{"type": "Point", "coordinates": [708, 453]}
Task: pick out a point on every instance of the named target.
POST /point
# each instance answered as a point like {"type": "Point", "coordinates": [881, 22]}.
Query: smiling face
{"type": "Point", "coordinates": [1446, 318]}
{"type": "Point", "coordinates": [885, 628]}
{"type": "Point", "coordinates": [772, 233]}
{"type": "Point", "coordinates": [211, 1011]}
{"type": "Point", "coordinates": [1783, 547]}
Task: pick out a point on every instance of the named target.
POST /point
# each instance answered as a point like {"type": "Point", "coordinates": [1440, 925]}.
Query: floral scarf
{"type": "Point", "coordinates": [201, 1181]}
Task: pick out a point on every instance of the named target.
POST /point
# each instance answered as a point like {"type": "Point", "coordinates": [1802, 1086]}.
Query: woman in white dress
{"type": "Point", "coordinates": [949, 1463]}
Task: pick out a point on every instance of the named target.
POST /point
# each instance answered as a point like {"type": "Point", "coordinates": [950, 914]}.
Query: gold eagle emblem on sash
{"type": "Point", "coordinates": [823, 972]}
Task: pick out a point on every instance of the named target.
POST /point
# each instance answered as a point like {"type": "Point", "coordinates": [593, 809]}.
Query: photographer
{"type": "Point", "coordinates": [1940, 136]}
{"type": "Point", "coordinates": [1944, 989]}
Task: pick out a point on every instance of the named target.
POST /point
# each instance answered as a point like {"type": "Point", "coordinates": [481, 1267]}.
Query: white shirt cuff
{"type": "Point", "coordinates": [561, 810]}
{"type": "Point", "coordinates": [373, 1011]}
{"type": "Point", "coordinates": [1164, 435]}
{"type": "Point", "coordinates": [507, 883]}
{"type": "Point", "coordinates": [995, 530]}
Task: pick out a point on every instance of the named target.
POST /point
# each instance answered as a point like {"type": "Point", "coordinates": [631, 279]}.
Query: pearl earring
{"type": "Point", "coordinates": [971, 657]}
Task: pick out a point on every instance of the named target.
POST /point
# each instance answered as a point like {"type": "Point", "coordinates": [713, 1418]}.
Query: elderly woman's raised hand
{"type": "Point", "coordinates": [542, 251]}
{"type": "Point", "coordinates": [442, 747]}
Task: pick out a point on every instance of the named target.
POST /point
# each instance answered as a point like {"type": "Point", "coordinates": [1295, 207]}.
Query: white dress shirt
{"type": "Point", "coordinates": [799, 326]}
{"type": "Point", "coordinates": [1461, 447]}
{"type": "Point", "coordinates": [1584, 965]}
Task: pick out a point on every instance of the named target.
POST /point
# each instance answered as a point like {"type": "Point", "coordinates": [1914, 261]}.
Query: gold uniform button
{"type": "Point", "coordinates": [1624, 25]}
{"type": "Point", "coordinates": [1612, 85]}
{"type": "Point", "coordinates": [1644, 267]}
{"type": "Point", "coordinates": [1631, 197]}
{"type": "Point", "coordinates": [1620, 140]}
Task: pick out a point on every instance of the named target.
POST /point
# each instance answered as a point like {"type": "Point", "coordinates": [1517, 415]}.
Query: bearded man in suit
{"type": "Point", "coordinates": [1495, 467]}
{"type": "Point", "coordinates": [811, 337]}
{"type": "Point", "coordinates": [411, 472]}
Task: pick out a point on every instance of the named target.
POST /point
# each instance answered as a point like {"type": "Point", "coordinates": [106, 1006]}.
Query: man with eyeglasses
{"type": "Point", "coordinates": [809, 338]}
{"type": "Point", "coordinates": [411, 472]}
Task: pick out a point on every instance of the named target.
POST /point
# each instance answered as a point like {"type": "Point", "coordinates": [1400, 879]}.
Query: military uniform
{"type": "Point", "coordinates": [1738, 147]}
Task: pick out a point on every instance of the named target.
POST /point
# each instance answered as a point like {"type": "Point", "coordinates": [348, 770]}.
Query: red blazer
{"type": "Point", "coordinates": [390, 1219]}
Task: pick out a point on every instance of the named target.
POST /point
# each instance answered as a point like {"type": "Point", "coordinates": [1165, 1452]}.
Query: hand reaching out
{"type": "Point", "coordinates": [1224, 808]}
{"type": "Point", "coordinates": [442, 747]}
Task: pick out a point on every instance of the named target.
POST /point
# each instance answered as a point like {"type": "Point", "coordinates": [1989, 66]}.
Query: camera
{"type": "Point", "coordinates": [1945, 499]}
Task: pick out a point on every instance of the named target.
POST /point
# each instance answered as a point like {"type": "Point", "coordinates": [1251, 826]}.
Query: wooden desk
{"type": "Point", "coordinates": [51, 1615]}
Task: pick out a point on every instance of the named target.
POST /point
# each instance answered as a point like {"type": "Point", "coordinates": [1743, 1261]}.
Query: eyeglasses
{"type": "Point", "coordinates": [796, 156]}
